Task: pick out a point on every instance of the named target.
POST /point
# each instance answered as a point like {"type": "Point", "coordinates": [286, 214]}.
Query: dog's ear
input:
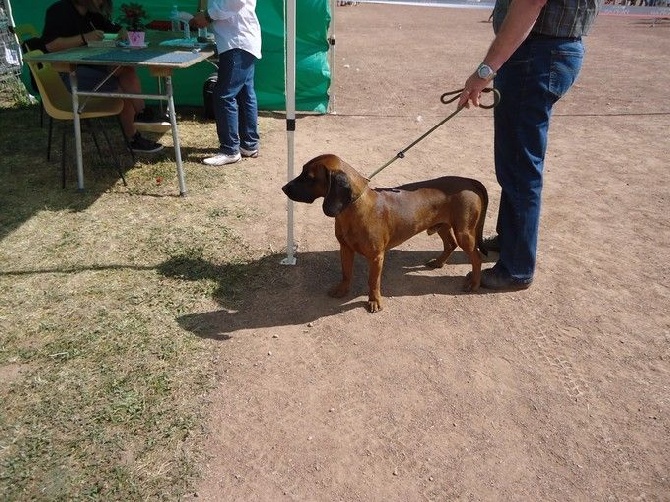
{"type": "Point", "coordinates": [339, 194]}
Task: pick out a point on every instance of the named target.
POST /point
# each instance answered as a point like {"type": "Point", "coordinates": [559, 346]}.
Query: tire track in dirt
{"type": "Point", "coordinates": [547, 350]}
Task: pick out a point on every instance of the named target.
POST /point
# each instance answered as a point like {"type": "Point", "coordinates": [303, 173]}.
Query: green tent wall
{"type": "Point", "coordinates": [313, 76]}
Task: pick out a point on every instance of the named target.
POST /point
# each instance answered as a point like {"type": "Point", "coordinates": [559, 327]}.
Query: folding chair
{"type": "Point", "coordinates": [25, 31]}
{"type": "Point", "coordinates": [57, 102]}
{"type": "Point", "coordinates": [30, 40]}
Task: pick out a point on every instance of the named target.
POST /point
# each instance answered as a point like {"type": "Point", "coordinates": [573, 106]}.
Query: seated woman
{"type": "Point", "coordinates": [73, 23]}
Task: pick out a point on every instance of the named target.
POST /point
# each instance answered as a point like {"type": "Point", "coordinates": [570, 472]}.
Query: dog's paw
{"type": "Point", "coordinates": [470, 285]}
{"type": "Point", "coordinates": [435, 263]}
{"type": "Point", "coordinates": [374, 306]}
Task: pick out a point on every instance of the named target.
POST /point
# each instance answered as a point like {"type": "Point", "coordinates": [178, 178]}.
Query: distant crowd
{"type": "Point", "coordinates": [639, 3]}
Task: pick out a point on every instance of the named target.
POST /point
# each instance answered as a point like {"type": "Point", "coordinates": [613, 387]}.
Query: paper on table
{"type": "Point", "coordinates": [183, 42]}
{"type": "Point", "coordinates": [102, 43]}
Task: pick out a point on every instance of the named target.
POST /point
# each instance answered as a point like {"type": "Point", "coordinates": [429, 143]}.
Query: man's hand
{"type": "Point", "coordinates": [199, 20]}
{"type": "Point", "coordinates": [472, 91]}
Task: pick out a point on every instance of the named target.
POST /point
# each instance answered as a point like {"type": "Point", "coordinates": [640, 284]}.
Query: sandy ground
{"type": "Point", "coordinates": [560, 392]}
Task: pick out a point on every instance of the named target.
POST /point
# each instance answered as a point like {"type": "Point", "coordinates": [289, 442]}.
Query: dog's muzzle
{"type": "Point", "coordinates": [297, 193]}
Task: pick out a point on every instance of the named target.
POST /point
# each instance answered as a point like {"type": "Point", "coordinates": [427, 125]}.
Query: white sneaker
{"type": "Point", "coordinates": [222, 159]}
{"type": "Point", "coordinates": [249, 153]}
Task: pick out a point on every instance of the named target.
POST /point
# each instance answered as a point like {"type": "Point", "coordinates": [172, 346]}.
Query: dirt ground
{"type": "Point", "coordinates": [560, 392]}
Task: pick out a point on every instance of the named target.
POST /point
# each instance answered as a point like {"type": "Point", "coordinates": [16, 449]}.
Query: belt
{"type": "Point", "coordinates": [542, 36]}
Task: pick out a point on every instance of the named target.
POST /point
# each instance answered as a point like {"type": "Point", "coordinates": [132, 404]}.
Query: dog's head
{"type": "Point", "coordinates": [329, 177]}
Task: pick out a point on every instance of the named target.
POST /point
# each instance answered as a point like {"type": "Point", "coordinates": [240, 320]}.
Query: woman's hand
{"type": "Point", "coordinates": [94, 36]}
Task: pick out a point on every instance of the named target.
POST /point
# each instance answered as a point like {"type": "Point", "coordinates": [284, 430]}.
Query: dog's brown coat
{"type": "Point", "coordinates": [371, 221]}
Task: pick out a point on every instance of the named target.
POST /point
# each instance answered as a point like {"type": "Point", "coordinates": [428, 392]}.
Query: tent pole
{"type": "Point", "coordinates": [331, 57]}
{"type": "Point", "coordinates": [290, 121]}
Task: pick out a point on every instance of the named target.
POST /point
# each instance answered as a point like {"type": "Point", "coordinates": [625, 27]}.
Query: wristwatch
{"type": "Point", "coordinates": [485, 72]}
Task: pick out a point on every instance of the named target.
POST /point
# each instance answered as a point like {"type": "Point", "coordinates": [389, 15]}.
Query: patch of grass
{"type": "Point", "coordinates": [109, 402]}
{"type": "Point", "coordinates": [13, 92]}
{"type": "Point", "coordinates": [104, 392]}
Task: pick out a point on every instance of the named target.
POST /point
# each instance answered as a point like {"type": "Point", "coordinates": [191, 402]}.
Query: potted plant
{"type": "Point", "coordinates": [133, 18]}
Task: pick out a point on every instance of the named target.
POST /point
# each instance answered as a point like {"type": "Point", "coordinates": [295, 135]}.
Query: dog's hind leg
{"type": "Point", "coordinates": [449, 241]}
{"type": "Point", "coordinates": [468, 243]}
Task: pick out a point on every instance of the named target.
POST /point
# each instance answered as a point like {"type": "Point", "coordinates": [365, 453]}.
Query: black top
{"type": "Point", "coordinates": [62, 19]}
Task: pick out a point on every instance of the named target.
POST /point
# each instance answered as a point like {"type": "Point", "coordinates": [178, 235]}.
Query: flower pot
{"type": "Point", "coordinates": [136, 38]}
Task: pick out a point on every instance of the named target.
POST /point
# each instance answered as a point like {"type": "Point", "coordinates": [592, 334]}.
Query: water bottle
{"type": "Point", "coordinates": [174, 17]}
{"type": "Point", "coordinates": [202, 33]}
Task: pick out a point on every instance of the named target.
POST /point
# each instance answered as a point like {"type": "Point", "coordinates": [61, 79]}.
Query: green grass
{"type": "Point", "coordinates": [104, 393]}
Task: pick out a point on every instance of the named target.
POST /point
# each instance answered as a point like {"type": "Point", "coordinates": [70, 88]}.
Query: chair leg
{"type": "Point", "coordinates": [63, 155]}
{"type": "Point", "coordinates": [95, 137]}
{"type": "Point", "coordinates": [115, 157]}
{"type": "Point", "coordinates": [51, 128]}
{"type": "Point", "coordinates": [126, 140]}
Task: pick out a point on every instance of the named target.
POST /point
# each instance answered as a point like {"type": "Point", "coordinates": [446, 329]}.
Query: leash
{"type": "Point", "coordinates": [446, 98]}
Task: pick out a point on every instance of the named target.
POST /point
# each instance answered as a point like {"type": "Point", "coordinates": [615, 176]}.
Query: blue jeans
{"type": "Point", "coordinates": [89, 77]}
{"type": "Point", "coordinates": [235, 106]}
{"type": "Point", "coordinates": [537, 75]}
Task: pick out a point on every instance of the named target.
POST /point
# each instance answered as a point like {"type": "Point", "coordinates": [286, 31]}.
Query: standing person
{"type": "Point", "coordinates": [238, 42]}
{"type": "Point", "coordinates": [73, 23]}
{"type": "Point", "coordinates": [533, 60]}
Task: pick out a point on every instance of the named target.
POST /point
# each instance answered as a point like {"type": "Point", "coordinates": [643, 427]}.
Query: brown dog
{"type": "Point", "coordinates": [371, 221]}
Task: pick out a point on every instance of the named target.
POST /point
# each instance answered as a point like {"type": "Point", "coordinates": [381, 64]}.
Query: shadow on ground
{"type": "Point", "coordinates": [271, 294]}
{"type": "Point", "coordinates": [32, 182]}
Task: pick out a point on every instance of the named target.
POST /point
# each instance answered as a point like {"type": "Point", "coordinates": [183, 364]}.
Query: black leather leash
{"type": "Point", "coordinates": [446, 98]}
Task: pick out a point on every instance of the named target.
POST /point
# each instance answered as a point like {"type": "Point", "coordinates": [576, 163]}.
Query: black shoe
{"type": "Point", "coordinates": [141, 144]}
{"type": "Point", "coordinates": [497, 279]}
{"type": "Point", "coordinates": [149, 116]}
{"type": "Point", "coordinates": [491, 244]}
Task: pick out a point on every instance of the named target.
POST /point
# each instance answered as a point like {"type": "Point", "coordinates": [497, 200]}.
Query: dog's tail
{"type": "Point", "coordinates": [484, 195]}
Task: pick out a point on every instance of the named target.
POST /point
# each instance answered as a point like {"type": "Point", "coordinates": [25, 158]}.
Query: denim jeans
{"type": "Point", "coordinates": [537, 75]}
{"type": "Point", "coordinates": [89, 78]}
{"type": "Point", "coordinates": [235, 106]}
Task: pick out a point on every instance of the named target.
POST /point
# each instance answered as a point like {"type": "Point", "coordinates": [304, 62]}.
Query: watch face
{"type": "Point", "coordinates": [484, 71]}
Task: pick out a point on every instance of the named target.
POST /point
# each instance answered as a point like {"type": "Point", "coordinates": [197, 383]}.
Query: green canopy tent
{"type": "Point", "coordinates": [294, 73]}
{"type": "Point", "coordinates": [313, 74]}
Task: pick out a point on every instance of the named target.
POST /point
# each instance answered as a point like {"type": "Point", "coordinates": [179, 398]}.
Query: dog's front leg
{"type": "Point", "coordinates": [375, 265]}
{"type": "Point", "coordinates": [347, 263]}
